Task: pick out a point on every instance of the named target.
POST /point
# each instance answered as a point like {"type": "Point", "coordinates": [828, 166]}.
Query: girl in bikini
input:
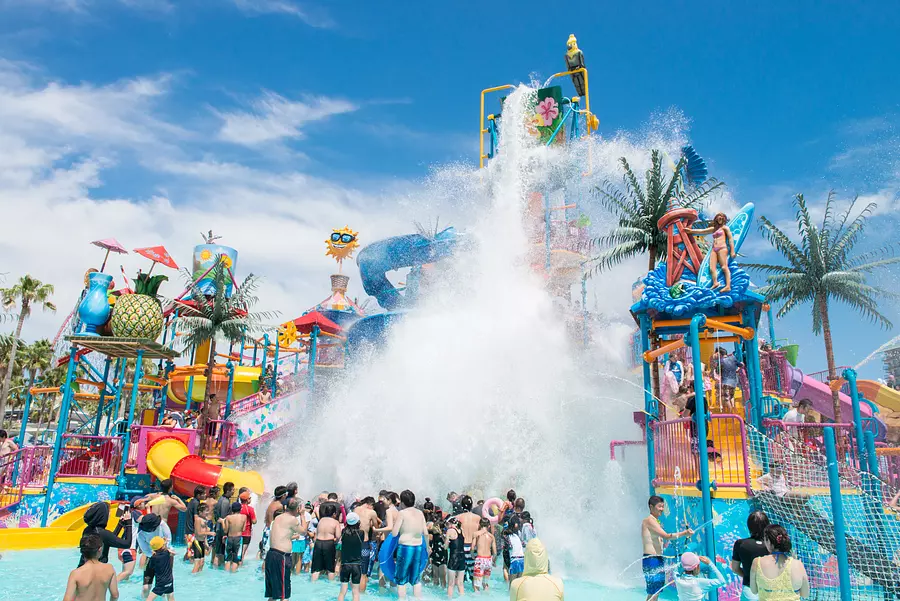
{"type": "Point", "coordinates": [722, 249]}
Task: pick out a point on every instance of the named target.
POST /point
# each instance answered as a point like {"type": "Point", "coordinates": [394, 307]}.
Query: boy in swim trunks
{"type": "Point", "coordinates": [91, 581]}
{"type": "Point", "coordinates": [652, 537]}
{"type": "Point", "coordinates": [233, 528]}
{"type": "Point", "coordinates": [159, 568]}
{"type": "Point", "coordinates": [198, 540]}
{"type": "Point", "coordinates": [485, 551]}
{"type": "Point", "coordinates": [248, 511]}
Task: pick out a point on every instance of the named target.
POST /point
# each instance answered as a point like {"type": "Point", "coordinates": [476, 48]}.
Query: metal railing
{"type": "Point", "coordinates": [27, 468]}
{"type": "Point", "coordinates": [808, 441]}
{"type": "Point", "coordinates": [889, 470]}
{"type": "Point", "coordinates": [133, 446]}
{"type": "Point", "coordinates": [219, 439]}
{"type": "Point", "coordinates": [775, 373]}
{"type": "Point", "coordinates": [615, 444]}
{"type": "Point", "coordinates": [677, 454]}
{"type": "Point", "coordinates": [90, 456]}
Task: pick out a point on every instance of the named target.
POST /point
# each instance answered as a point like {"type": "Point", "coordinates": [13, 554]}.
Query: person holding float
{"type": "Point", "coordinates": [722, 249]}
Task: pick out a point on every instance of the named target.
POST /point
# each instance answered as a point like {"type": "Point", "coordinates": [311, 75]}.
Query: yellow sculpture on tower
{"type": "Point", "coordinates": [341, 244]}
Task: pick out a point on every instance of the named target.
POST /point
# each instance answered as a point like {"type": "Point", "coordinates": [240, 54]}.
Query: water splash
{"type": "Point", "coordinates": [890, 343]}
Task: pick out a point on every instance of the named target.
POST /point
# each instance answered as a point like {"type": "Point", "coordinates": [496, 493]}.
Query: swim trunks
{"type": "Point", "coordinates": [470, 561]}
{"type": "Point", "coordinates": [516, 565]}
{"type": "Point", "coordinates": [278, 574]}
{"type": "Point", "coordinates": [298, 545]}
{"type": "Point", "coordinates": [324, 556]}
{"type": "Point", "coordinates": [408, 562]}
{"type": "Point", "coordinates": [198, 549]}
{"type": "Point", "coordinates": [307, 555]}
{"type": "Point", "coordinates": [233, 549]}
{"type": "Point", "coordinates": [483, 567]}
{"type": "Point", "coordinates": [127, 556]}
{"type": "Point", "coordinates": [368, 552]}
{"type": "Point", "coordinates": [264, 541]}
{"type": "Point", "coordinates": [164, 589]}
{"type": "Point", "coordinates": [351, 572]}
{"type": "Point", "coordinates": [654, 573]}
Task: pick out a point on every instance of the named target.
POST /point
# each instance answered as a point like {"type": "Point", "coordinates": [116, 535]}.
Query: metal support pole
{"type": "Point", "coordinates": [837, 511]}
{"type": "Point", "coordinates": [274, 385]}
{"type": "Point", "coordinates": [119, 376]}
{"type": "Point", "coordinates": [190, 394]}
{"type": "Point", "coordinates": [255, 348]}
{"type": "Point", "coordinates": [296, 363]}
{"type": "Point", "coordinates": [850, 375]}
{"type": "Point", "coordinates": [138, 365]}
{"type": "Point", "coordinates": [243, 345]}
{"type": "Point", "coordinates": [650, 405]}
{"type": "Point", "coordinates": [771, 326]}
{"type": "Point", "coordinates": [164, 391]}
{"type": "Point", "coordinates": [313, 354]}
{"type": "Point", "coordinates": [61, 426]}
{"type": "Point", "coordinates": [102, 399]}
{"type": "Point", "coordinates": [25, 413]}
{"type": "Point", "coordinates": [265, 356]}
{"type": "Point", "coordinates": [699, 417]}
{"type": "Point", "coordinates": [230, 367]}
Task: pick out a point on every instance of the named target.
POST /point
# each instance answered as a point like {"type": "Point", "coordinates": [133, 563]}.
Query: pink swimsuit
{"type": "Point", "coordinates": [719, 240]}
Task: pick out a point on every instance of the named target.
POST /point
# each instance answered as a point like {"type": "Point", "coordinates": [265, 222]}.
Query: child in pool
{"type": "Point", "coordinates": [722, 249]}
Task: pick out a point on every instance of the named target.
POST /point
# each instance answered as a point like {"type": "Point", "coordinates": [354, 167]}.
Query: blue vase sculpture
{"type": "Point", "coordinates": [94, 307]}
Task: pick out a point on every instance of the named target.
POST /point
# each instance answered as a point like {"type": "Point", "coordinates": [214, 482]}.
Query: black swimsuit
{"type": "Point", "coordinates": [457, 562]}
{"type": "Point", "coordinates": [438, 552]}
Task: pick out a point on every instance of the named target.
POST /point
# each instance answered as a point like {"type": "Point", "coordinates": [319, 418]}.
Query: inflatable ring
{"type": "Point", "coordinates": [486, 510]}
{"type": "Point", "coordinates": [287, 334]}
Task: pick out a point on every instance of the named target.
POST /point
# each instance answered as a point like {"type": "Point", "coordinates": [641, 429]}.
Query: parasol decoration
{"type": "Point", "coordinates": [157, 254]}
{"type": "Point", "coordinates": [111, 245]}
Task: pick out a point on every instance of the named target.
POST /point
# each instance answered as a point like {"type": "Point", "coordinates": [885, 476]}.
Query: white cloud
{"type": "Point", "coordinates": [314, 17]}
{"type": "Point", "coordinates": [274, 118]}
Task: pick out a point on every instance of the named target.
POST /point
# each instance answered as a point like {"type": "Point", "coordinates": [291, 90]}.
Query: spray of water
{"type": "Point", "coordinates": [481, 389]}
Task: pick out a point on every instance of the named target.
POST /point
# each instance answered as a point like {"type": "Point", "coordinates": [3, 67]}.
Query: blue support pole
{"type": "Point", "coordinates": [650, 405]}
{"type": "Point", "coordinates": [61, 427]}
{"type": "Point", "coordinates": [102, 399]}
{"type": "Point", "coordinates": [850, 375]}
{"type": "Point", "coordinates": [164, 391]}
{"type": "Point", "coordinates": [255, 348]}
{"type": "Point", "coordinates": [243, 346]}
{"type": "Point", "coordinates": [274, 384]}
{"type": "Point", "coordinates": [190, 393]}
{"type": "Point", "coordinates": [265, 355]}
{"type": "Point", "coordinates": [739, 352]}
{"type": "Point", "coordinates": [174, 330]}
{"type": "Point", "coordinates": [837, 511]}
{"type": "Point", "coordinates": [230, 367]}
{"type": "Point", "coordinates": [699, 417]}
{"type": "Point", "coordinates": [25, 413]}
{"type": "Point", "coordinates": [138, 365]}
{"type": "Point", "coordinates": [313, 352]}
{"type": "Point", "coordinates": [771, 326]}
{"type": "Point", "coordinates": [119, 376]}
{"type": "Point", "coordinates": [874, 468]}
{"type": "Point", "coordinates": [296, 363]}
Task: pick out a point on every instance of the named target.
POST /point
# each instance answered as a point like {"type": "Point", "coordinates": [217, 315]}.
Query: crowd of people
{"type": "Point", "coordinates": [390, 541]}
{"type": "Point", "coordinates": [763, 561]}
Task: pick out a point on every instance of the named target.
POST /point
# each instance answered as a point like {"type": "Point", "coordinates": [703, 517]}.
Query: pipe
{"type": "Point", "coordinates": [837, 510]}
{"type": "Point", "coordinates": [102, 399]}
{"type": "Point", "coordinates": [118, 375]}
{"type": "Point", "coordinates": [482, 130]}
{"type": "Point", "coordinates": [675, 323]}
{"type": "Point", "coordinates": [649, 405]}
{"type": "Point", "coordinates": [745, 333]}
{"type": "Point", "coordinates": [771, 326]}
{"type": "Point", "coordinates": [850, 375]}
{"type": "Point", "coordinates": [62, 425]}
{"type": "Point", "coordinates": [699, 417]}
{"type": "Point", "coordinates": [664, 349]}
{"type": "Point", "coordinates": [230, 367]}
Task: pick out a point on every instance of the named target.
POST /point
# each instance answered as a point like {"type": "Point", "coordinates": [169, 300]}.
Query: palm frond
{"type": "Point", "coordinates": [783, 244]}
{"type": "Point", "coordinates": [613, 256]}
{"type": "Point", "coordinates": [844, 243]}
{"type": "Point", "coordinates": [631, 182]}
{"type": "Point", "coordinates": [700, 195]}
{"type": "Point", "coordinates": [769, 269]}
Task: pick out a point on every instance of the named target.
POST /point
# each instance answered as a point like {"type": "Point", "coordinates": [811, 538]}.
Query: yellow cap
{"type": "Point", "coordinates": [157, 543]}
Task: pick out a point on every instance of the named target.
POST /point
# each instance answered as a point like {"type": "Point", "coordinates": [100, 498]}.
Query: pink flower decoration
{"type": "Point", "coordinates": [548, 110]}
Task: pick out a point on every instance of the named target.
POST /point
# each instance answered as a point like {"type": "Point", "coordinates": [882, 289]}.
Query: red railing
{"type": "Point", "coordinates": [775, 374]}
{"type": "Point", "coordinates": [133, 446]}
{"type": "Point", "coordinates": [35, 471]}
{"type": "Point", "coordinates": [219, 440]}
{"type": "Point", "coordinates": [623, 443]}
{"type": "Point", "coordinates": [28, 467]}
{"type": "Point", "coordinates": [677, 455]}
{"type": "Point", "coordinates": [90, 456]}
{"type": "Point", "coordinates": [791, 441]}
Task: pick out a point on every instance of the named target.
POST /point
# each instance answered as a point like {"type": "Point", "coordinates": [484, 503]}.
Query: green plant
{"type": "Point", "coordinates": [148, 285]}
{"type": "Point", "coordinates": [822, 268]}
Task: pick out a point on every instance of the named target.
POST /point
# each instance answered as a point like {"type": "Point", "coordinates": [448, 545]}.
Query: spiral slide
{"type": "Point", "coordinates": [169, 457]}
{"type": "Point", "coordinates": [883, 396]}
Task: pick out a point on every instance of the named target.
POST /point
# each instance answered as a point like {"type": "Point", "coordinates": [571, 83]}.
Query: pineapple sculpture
{"type": "Point", "coordinates": [139, 315]}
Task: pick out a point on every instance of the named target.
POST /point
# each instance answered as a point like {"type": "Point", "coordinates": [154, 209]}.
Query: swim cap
{"type": "Point", "coordinates": [352, 519]}
{"type": "Point", "coordinates": [689, 561]}
{"type": "Point", "coordinates": [244, 496]}
{"type": "Point", "coordinates": [157, 543]}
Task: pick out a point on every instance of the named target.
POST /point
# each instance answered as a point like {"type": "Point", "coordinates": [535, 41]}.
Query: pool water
{"type": "Point", "coordinates": [43, 575]}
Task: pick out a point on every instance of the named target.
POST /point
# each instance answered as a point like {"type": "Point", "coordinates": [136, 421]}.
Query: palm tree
{"type": "Point", "coordinates": [54, 377]}
{"type": "Point", "coordinates": [221, 316]}
{"type": "Point", "coordinates": [821, 269]}
{"type": "Point", "coordinates": [639, 209]}
{"type": "Point", "coordinates": [36, 358]}
{"type": "Point", "coordinates": [26, 293]}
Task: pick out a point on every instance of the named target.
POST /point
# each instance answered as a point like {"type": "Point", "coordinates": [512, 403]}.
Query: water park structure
{"type": "Point", "coordinates": [828, 479]}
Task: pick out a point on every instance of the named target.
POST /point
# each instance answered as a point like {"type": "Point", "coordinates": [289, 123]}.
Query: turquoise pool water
{"type": "Point", "coordinates": [43, 574]}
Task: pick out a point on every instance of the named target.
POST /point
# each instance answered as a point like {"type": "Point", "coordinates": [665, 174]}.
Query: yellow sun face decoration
{"type": "Point", "coordinates": [341, 244]}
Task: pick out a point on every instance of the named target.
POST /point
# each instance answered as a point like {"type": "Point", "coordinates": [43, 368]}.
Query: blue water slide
{"type": "Point", "coordinates": [411, 250]}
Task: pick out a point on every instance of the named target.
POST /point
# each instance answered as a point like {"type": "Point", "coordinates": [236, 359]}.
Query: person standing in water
{"type": "Point", "coordinates": [352, 542]}
{"type": "Point", "coordinates": [328, 533]}
{"type": "Point", "coordinates": [410, 531]}
{"type": "Point", "coordinates": [778, 576]}
{"type": "Point", "coordinates": [485, 552]}
{"type": "Point", "coordinates": [469, 523]}
{"type": "Point", "coordinates": [690, 585]}
{"type": "Point", "coordinates": [277, 565]}
{"type": "Point", "coordinates": [233, 527]}
{"type": "Point", "coordinates": [368, 522]}
{"type": "Point", "coordinates": [93, 579]}
{"type": "Point", "coordinates": [536, 583]}
{"type": "Point", "coordinates": [722, 249]}
{"type": "Point", "coordinates": [746, 550]}
{"type": "Point", "coordinates": [456, 562]}
{"type": "Point", "coordinates": [653, 536]}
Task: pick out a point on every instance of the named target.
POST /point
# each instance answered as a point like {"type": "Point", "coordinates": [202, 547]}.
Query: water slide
{"type": "Point", "coordinates": [804, 387]}
{"type": "Point", "coordinates": [63, 532]}
{"type": "Point", "coordinates": [881, 395]}
{"type": "Point", "coordinates": [246, 383]}
{"type": "Point", "coordinates": [169, 457]}
{"type": "Point", "coordinates": [411, 250]}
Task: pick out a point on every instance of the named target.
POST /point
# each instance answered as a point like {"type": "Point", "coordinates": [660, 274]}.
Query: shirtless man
{"type": "Point", "coordinates": [91, 581]}
{"type": "Point", "coordinates": [278, 559]}
{"type": "Point", "coordinates": [324, 557]}
{"type": "Point", "coordinates": [469, 523]}
{"type": "Point", "coordinates": [233, 528]}
{"type": "Point", "coordinates": [161, 503]}
{"type": "Point", "coordinates": [368, 522]}
{"type": "Point", "coordinates": [276, 504]}
{"type": "Point", "coordinates": [652, 537]}
{"type": "Point", "coordinates": [409, 528]}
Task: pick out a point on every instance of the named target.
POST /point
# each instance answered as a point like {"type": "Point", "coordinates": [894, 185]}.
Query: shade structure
{"type": "Point", "coordinates": [110, 245]}
{"type": "Point", "coordinates": [157, 254]}
{"type": "Point", "coordinates": [306, 322]}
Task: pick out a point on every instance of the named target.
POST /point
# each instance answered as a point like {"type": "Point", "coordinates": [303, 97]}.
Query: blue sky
{"type": "Point", "coordinates": [134, 117]}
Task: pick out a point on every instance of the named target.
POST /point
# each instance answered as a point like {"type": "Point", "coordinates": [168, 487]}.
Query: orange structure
{"type": "Point", "coordinates": [682, 250]}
